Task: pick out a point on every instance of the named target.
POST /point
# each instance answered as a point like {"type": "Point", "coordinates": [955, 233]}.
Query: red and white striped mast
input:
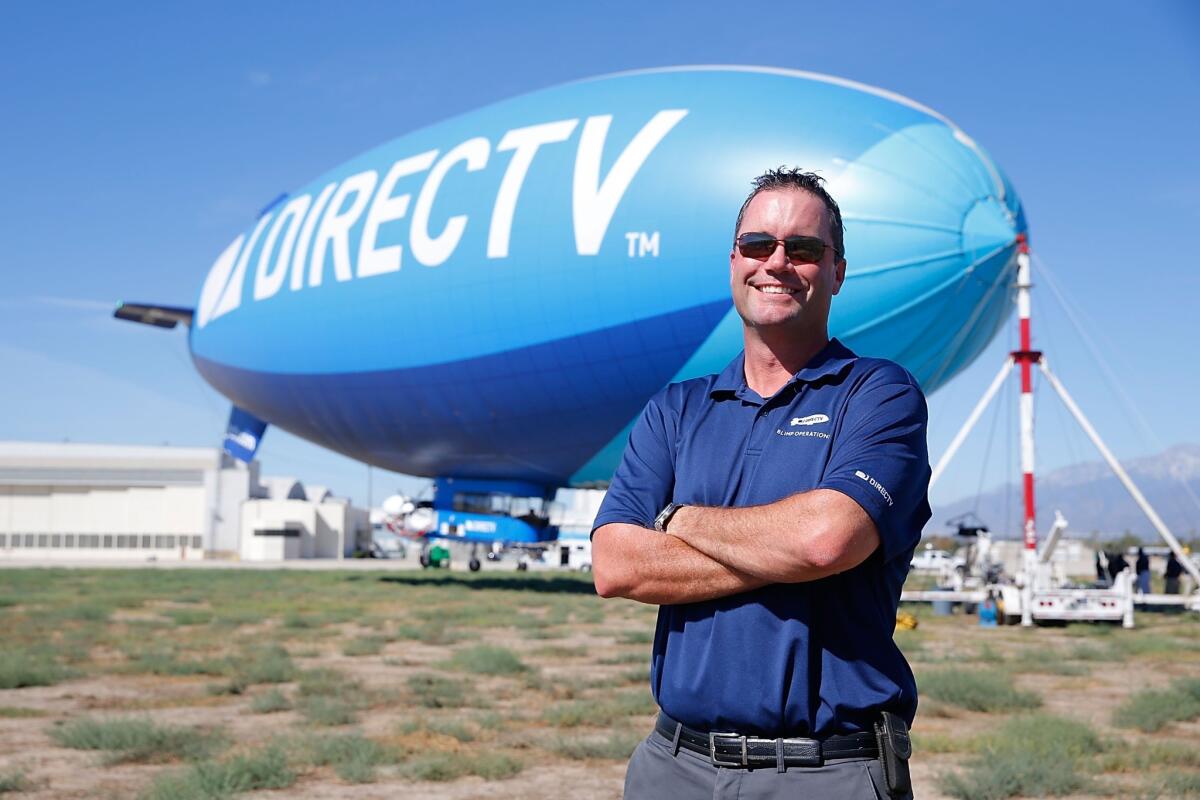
{"type": "Point", "coordinates": [1026, 356]}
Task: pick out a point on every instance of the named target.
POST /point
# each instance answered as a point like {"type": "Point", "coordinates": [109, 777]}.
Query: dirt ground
{"type": "Point", "coordinates": [573, 652]}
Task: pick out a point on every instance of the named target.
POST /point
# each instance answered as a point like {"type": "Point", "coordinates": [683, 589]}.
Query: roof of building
{"type": "Point", "coordinates": [74, 463]}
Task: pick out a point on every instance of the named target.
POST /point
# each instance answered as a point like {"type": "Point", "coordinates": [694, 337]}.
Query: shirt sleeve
{"type": "Point", "coordinates": [645, 479]}
{"type": "Point", "coordinates": [880, 458]}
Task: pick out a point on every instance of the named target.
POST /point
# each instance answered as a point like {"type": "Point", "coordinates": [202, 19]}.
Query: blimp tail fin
{"type": "Point", "coordinates": [243, 434]}
{"type": "Point", "coordinates": [158, 316]}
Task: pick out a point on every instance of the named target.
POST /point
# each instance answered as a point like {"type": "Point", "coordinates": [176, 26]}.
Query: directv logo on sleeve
{"type": "Point", "coordinates": [858, 473]}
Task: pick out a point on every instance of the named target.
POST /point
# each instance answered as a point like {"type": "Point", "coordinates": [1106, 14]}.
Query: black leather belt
{"type": "Point", "coordinates": [736, 750]}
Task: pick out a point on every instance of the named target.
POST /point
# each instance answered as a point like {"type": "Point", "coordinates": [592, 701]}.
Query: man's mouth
{"type": "Point", "coordinates": [774, 289]}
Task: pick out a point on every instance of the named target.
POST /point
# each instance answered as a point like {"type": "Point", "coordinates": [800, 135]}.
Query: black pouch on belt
{"type": "Point", "coordinates": [894, 750]}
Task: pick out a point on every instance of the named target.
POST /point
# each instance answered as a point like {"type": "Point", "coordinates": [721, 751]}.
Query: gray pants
{"type": "Point", "coordinates": [655, 773]}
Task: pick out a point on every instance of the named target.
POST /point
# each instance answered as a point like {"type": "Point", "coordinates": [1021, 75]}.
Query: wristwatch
{"type": "Point", "coordinates": [664, 517]}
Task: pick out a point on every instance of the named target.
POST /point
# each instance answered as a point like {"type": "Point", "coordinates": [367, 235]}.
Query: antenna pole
{"type": "Point", "coordinates": [961, 436]}
{"type": "Point", "coordinates": [1122, 475]}
{"type": "Point", "coordinates": [1026, 357]}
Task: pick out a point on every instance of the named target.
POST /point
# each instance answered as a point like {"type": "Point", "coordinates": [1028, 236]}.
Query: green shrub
{"type": "Point", "coordinates": [617, 746]}
{"type": "Point", "coordinates": [295, 621]}
{"type": "Point", "coordinates": [85, 613]}
{"type": "Point", "coordinates": [451, 728]}
{"type": "Point", "coordinates": [271, 664]}
{"type": "Point", "coordinates": [327, 682]}
{"type": "Point", "coordinates": [13, 781]}
{"type": "Point", "coordinates": [636, 637]}
{"type": "Point", "coordinates": [449, 766]}
{"type": "Point", "coordinates": [189, 616]}
{"type": "Point", "coordinates": [928, 743]}
{"type": "Point", "coordinates": [1141, 756]}
{"type": "Point", "coordinates": [1052, 666]}
{"type": "Point", "coordinates": [602, 712]}
{"type": "Point", "coordinates": [489, 720]}
{"type": "Point", "coordinates": [233, 686]}
{"type": "Point", "coordinates": [363, 646]}
{"type": "Point", "coordinates": [495, 766]}
{"type": "Point", "coordinates": [488, 660]}
{"type": "Point", "coordinates": [1177, 783]}
{"type": "Point", "coordinates": [557, 651]}
{"type": "Point", "coordinates": [1151, 709]}
{"type": "Point", "coordinates": [138, 740]}
{"type": "Point", "coordinates": [976, 690]}
{"type": "Point", "coordinates": [167, 662]}
{"type": "Point", "coordinates": [437, 691]}
{"type": "Point", "coordinates": [234, 618]}
{"type": "Point", "coordinates": [1089, 629]}
{"type": "Point", "coordinates": [1011, 775]}
{"type": "Point", "coordinates": [639, 675]}
{"type": "Point", "coordinates": [434, 632]}
{"type": "Point", "coordinates": [1140, 643]}
{"type": "Point", "coordinates": [628, 657]}
{"type": "Point", "coordinates": [352, 756]}
{"type": "Point", "coordinates": [331, 711]}
{"type": "Point", "coordinates": [21, 668]}
{"type": "Point", "coordinates": [265, 769]}
{"type": "Point", "coordinates": [1035, 755]}
{"type": "Point", "coordinates": [270, 702]}
{"type": "Point", "coordinates": [1087, 652]}
{"type": "Point", "coordinates": [18, 712]}
{"type": "Point", "coordinates": [436, 767]}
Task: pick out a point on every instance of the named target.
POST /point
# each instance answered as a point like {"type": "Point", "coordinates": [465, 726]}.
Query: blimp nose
{"type": "Point", "coordinates": [987, 229]}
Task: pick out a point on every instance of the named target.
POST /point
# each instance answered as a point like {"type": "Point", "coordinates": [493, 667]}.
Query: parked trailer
{"type": "Point", "coordinates": [1061, 604]}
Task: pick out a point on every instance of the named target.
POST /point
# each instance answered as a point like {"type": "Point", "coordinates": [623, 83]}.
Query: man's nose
{"type": "Point", "coordinates": [778, 260]}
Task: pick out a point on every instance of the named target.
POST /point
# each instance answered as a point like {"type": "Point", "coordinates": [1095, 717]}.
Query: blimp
{"type": "Point", "coordinates": [490, 301]}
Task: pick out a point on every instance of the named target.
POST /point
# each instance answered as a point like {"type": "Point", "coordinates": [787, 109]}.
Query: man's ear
{"type": "Point", "coordinates": [839, 274]}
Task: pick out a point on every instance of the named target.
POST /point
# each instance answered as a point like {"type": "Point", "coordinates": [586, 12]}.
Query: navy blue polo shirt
{"type": "Point", "coordinates": [801, 659]}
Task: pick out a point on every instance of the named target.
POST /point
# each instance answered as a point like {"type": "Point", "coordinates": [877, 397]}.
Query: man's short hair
{"type": "Point", "coordinates": [795, 178]}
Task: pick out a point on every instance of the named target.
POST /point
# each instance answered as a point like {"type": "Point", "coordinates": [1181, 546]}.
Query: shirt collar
{"type": "Point", "coordinates": [831, 360]}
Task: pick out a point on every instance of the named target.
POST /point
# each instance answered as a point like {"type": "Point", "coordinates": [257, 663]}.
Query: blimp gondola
{"type": "Point", "coordinates": [492, 299]}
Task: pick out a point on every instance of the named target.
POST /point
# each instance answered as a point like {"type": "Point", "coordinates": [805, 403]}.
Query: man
{"type": "Point", "coordinates": [1116, 565]}
{"type": "Point", "coordinates": [771, 511]}
{"type": "Point", "coordinates": [1142, 570]}
{"type": "Point", "coordinates": [1171, 574]}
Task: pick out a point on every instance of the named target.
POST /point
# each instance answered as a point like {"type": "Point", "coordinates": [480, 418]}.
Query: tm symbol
{"type": "Point", "coordinates": [642, 244]}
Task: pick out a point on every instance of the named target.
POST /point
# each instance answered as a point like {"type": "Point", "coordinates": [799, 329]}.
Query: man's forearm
{"type": "Point", "coordinates": [652, 567]}
{"type": "Point", "coordinates": [799, 538]}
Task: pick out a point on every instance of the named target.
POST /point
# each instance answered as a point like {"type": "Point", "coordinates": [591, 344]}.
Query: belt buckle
{"type": "Point", "coordinates": [712, 750]}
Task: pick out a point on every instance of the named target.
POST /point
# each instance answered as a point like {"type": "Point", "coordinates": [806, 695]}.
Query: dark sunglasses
{"type": "Point", "coordinates": [802, 249]}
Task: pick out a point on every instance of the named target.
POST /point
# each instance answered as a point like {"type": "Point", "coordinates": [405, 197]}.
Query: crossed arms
{"type": "Point", "coordinates": [708, 553]}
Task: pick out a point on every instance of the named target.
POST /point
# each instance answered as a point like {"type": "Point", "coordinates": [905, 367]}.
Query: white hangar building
{"type": "Point", "coordinates": [63, 502]}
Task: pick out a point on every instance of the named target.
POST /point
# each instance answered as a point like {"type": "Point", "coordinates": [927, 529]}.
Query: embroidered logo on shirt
{"type": "Point", "coordinates": [858, 473]}
{"type": "Point", "coordinates": [809, 434]}
{"type": "Point", "coordinates": [811, 419]}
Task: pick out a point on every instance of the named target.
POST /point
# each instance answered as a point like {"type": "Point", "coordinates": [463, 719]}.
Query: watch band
{"type": "Point", "coordinates": [664, 517]}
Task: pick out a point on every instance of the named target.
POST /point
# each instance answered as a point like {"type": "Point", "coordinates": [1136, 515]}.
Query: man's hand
{"type": "Point", "coordinates": [653, 567]}
{"type": "Point", "coordinates": [803, 537]}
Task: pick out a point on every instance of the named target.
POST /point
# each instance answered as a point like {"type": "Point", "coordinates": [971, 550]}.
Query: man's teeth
{"type": "Point", "coordinates": [775, 290]}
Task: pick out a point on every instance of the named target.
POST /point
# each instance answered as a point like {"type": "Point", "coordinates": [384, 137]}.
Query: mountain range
{"type": "Point", "coordinates": [1094, 501]}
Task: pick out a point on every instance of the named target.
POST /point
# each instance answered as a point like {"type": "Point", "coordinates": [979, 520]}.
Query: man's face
{"type": "Point", "coordinates": [776, 293]}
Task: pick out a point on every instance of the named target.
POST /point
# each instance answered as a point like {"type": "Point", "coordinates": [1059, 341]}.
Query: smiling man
{"type": "Point", "coordinates": [771, 512]}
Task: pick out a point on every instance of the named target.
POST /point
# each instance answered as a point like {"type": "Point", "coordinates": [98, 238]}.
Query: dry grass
{"type": "Point", "coordinates": [316, 682]}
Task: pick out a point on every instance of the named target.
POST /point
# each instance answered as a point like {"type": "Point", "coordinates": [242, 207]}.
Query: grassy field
{"type": "Point", "coordinates": [213, 684]}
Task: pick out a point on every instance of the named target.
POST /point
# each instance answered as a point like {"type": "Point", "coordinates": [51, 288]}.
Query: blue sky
{"type": "Point", "coordinates": [137, 140]}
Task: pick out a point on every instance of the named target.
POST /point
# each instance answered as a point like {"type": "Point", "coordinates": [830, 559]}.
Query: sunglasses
{"type": "Point", "coordinates": [801, 249]}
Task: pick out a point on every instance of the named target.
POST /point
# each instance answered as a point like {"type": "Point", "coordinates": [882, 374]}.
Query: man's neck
{"type": "Point", "coordinates": [772, 361]}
